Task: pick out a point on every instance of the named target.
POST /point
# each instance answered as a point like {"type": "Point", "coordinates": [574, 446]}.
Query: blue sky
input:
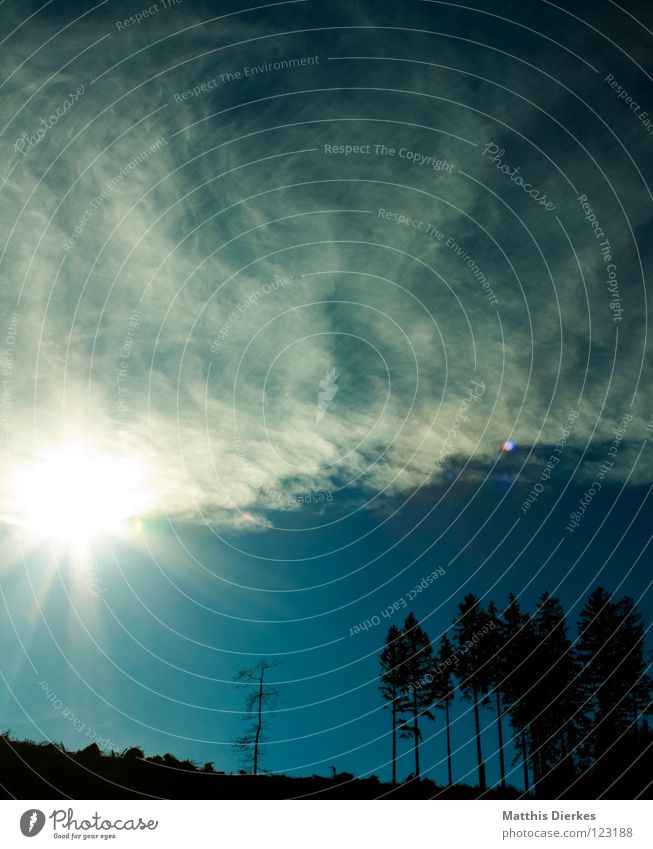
{"type": "Point", "coordinates": [183, 280]}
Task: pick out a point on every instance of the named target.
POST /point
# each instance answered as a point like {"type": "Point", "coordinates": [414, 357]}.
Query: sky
{"type": "Point", "coordinates": [290, 279]}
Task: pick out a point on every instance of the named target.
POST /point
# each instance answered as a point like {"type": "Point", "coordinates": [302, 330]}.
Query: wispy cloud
{"type": "Point", "coordinates": [187, 234]}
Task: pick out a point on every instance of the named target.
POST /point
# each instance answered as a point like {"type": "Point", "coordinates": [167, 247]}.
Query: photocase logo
{"type": "Point", "coordinates": [32, 822]}
{"type": "Point", "coordinates": [329, 388]}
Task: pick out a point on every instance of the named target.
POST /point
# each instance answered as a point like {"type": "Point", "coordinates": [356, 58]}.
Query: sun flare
{"type": "Point", "coordinates": [75, 494]}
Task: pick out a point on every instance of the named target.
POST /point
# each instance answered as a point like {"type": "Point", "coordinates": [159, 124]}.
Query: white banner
{"type": "Point", "coordinates": [325, 824]}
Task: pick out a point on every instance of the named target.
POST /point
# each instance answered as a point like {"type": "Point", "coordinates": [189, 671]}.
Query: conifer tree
{"type": "Point", "coordinates": [393, 684]}
{"type": "Point", "coordinates": [443, 691]}
{"type": "Point", "coordinates": [614, 680]}
{"type": "Point", "coordinates": [417, 666]}
{"type": "Point", "coordinates": [633, 671]}
{"type": "Point", "coordinates": [519, 674]}
{"type": "Point", "coordinates": [497, 661]}
{"type": "Point", "coordinates": [554, 706]}
{"type": "Point", "coordinates": [472, 666]}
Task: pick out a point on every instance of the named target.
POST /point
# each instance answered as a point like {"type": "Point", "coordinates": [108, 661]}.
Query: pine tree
{"type": "Point", "coordinates": [442, 691]}
{"type": "Point", "coordinates": [496, 671]}
{"type": "Point", "coordinates": [634, 679]}
{"type": "Point", "coordinates": [613, 678]}
{"type": "Point", "coordinates": [518, 676]}
{"type": "Point", "coordinates": [417, 666]}
{"type": "Point", "coordinates": [472, 668]}
{"type": "Point", "coordinates": [393, 684]}
{"type": "Point", "coordinates": [554, 704]}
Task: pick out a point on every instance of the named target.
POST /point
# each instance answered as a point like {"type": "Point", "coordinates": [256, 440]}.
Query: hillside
{"type": "Point", "coordinates": [30, 770]}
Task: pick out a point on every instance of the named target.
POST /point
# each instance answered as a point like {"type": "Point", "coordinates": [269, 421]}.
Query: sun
{"type": "Point", "coordinates": [75, 494]}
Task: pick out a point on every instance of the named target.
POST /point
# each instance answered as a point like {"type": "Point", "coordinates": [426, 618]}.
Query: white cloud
{"type": "Point", "coordinates": [368, 310]}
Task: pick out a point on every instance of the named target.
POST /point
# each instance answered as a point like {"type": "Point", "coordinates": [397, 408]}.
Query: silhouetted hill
{"type": "Point", "coordinates": [31, 770]}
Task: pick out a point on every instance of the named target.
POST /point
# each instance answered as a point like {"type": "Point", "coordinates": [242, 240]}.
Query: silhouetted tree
{"type": "Point", "coordinates": [634, 678]}
{"type": "Point", "coordinates": [393, 684]}
{"type": "Point", "coordinates": [260, 696]}
{"type": "Point", "coordinates": [518, 676]}
{"type": "Point", "coordinates": [417, 665]}
{"type": "Point", "coordinates": [554, 704]}
{"type": "Point", "coordinates": [613, 679]}
{"type": "Point", "coordinates": [497, 659]}
{"type": "Point", "coordinates": [442, 691]}
{"type": "Point", "coordinates": [649, 709]}
{"type": "Point", "coordinates": [472, 667]}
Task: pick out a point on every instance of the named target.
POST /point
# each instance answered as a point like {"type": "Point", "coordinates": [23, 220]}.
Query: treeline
{"type": "Point", "coordinates": [573, 711]}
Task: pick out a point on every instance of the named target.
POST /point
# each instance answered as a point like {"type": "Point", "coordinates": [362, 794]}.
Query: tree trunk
{"type": "Point", "coordinates": [259, 724]}
{"type": "Point", "coordinates": [502, 765]}
{"type": "Point", "coordinates": [481, 765]}
{"type": "Point", "coordinates": [446, 711]}
{"type": "Point", "coordinates": [416, 735]}
{"type": "Point", "coordinates": [524, 752]}
{"type": "Point", "coordinates": [394, 739]}
{"type": "Point", "coordinates": [535, 759]}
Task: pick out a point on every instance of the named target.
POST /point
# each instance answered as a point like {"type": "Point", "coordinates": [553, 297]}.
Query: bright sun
{"type": "Point", "coordinates": [74, 494]}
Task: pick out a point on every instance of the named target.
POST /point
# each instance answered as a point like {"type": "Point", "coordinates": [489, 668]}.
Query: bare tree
{"type": "Point", "coordinates": [261, 699]}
